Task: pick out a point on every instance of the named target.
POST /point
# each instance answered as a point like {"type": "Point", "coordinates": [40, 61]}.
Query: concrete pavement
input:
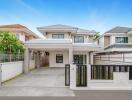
{"type": "Point", "coordinates": [39, 82]}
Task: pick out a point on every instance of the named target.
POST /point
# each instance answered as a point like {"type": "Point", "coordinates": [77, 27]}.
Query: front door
{"type": "Point", "coordinates": [79, 59]}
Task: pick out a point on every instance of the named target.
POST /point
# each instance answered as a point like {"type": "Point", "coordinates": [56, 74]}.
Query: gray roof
{"type": "Point", "coordinates": [84, 31]}
{"type": "Point", "coordinates": [58, 26]}
{"type": "Point", "coordinates": [119, 29]}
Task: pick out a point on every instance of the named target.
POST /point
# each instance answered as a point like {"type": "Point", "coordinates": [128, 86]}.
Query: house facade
{"type": "Point", "coordinates": [62, 45]}
{"type": "Point", "coordinates": [117, 47]}
{"type": "Point", "coordinates": [117, 39]}
{"type": "Point", "coordinates": [20, 31]}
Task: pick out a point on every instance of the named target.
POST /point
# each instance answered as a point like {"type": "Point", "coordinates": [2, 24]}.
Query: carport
{"type": "Point", "coordinates": [45, 45]}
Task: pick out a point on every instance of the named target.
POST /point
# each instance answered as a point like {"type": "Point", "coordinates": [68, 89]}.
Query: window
{"type": "Point", "coordinates": [78, 39]}
{"type": "Point", "coordinates": [58, 36]}
{"type": "Point", "coordinates": [121, 40]}
{"type": "Point", "coordinates": [59, 58]}
{"type": "Point", "coordinates": [17, 35]}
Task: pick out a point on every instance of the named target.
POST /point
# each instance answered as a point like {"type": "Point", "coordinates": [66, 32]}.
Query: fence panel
{"type": "Point", "coordinates": [105, 72]}
{"type": "Point", "coordinates": [81, 75]}
{"type": "Point", "coordinates": [11, 57]}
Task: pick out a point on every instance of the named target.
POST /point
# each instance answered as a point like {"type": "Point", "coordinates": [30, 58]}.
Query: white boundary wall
{"type": "Point", "coordinates": [120, 81]}
{"type": "Point", "coordinates": [11, 69]}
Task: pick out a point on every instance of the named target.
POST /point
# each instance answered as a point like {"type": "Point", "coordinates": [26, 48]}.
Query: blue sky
{"type": "Point", "coordinates": [99, 15]}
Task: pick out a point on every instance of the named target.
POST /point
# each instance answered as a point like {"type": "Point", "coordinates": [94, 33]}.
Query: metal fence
{"type": "Point", "coordinates": [81, 75]}
{"type": "Point", "coordinates": [105, 72]}
{"type": "Point", "coordinates": [11, 57]}
{"type": "Point", "coordinates": [67, 75]}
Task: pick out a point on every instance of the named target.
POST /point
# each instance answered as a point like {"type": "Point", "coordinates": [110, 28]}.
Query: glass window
{"type": "Point", "coordinates": [78, 39]}
{"type": "Point", "coordinates": [59, 58]}
{"type": "Point", "coordinates": [17, 35]}
{"type": "Point", "coordinates": [58, 36]}
{"type": "Point", "coordinates": [121, 39]}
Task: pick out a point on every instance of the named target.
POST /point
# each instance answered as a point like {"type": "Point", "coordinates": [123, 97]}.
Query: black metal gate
{"type": "Point", "coordinates": [81, 75]}
{"type": "Point", "coordinates": [67, 75]}
{"type": "Point", "coordinates": [130, 73]}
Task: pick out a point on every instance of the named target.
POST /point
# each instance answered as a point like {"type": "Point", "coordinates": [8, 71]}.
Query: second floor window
{"type": "Point", "coordinates": [78, 39]}
{"type": "Point", "coordinates": [58, 36]}
{"type": "Point", "coordinates": [121, 39]}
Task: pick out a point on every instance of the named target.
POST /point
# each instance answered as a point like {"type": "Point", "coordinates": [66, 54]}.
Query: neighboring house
{"type": "Point", "coordinates": [117, 44]}
{"type": "Point", "coordinates": [117, 39]}
{"type": "Point", "coordinates": [21, 32]}
{"type": "Point", "coordinates": [63, 45]}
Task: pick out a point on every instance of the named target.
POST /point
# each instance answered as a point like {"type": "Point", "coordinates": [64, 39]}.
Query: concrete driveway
{"type": "Point", "coordinates": [39, 82]}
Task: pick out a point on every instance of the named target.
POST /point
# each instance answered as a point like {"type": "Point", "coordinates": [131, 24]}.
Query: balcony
{"type": "Point", "coordinates": [86, 47]}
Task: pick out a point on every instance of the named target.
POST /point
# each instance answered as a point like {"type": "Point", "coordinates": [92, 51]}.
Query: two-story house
{"type": "Point", "coordinates": [21, 32]}
{"type": "Point", "coordinates": [117, 39]}
{"type": "Point", "coordinates": [62, 45]}
{"type": "Point", "coordinates": [117, 44]}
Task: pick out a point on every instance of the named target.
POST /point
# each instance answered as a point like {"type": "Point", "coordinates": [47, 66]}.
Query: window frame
{"type": "Point", "coordinates": [58, 36]}
{"type": "Point", "coordinates": [125, 40]}
{"type": "Point", "coordinates": [78, 41]}
{"type": "Point", "coordinates": [59, 55]}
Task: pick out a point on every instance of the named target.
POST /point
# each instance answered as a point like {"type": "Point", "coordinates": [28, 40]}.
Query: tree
{"type": "Point", "coordinates": [9, 44]}
{"type": "Point", "coordinates": [97, 35]}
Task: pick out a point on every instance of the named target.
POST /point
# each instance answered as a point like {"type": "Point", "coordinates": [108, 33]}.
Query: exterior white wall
{"type": "Point", "coordinates": [31, 64]}
{"type": "Point", "coordinates": [120, 81]}
{"type": "Point", "coordinates": [129, 38]}
{"type": "Point", "coordinates": [52, 58]}
{"type": "Point", "coordinates": [11, 69]}
{"type": "Point", "coordinates": [101, 41]}
{"type": "Point", "coordinates": [112, 39]}
{"type": "Point", "coordinates": [22, 37]}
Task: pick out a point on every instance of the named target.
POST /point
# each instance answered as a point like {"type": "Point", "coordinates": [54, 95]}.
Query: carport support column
{"type": "Point", "coordinates": [70, 55]}
{"type": "Point", "coordinates": [26, 60]}
{"type": "Point", "coordinates": [91, 58]}
{"type": "Point", "coordinates": [38, 59]}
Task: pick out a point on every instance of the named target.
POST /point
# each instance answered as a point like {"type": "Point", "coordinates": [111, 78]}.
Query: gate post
{"type": "Point", "coordinates": [88, 74]}
{"type": "Point", "coordinates": [72, 76]}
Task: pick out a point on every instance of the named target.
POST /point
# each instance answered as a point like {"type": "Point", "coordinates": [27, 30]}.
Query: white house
{"type": "Point", "coordinates": [62, 45]}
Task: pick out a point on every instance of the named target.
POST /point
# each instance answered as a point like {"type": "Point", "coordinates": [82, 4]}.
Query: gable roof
{"type": "Point", "coordinates": [13, 26]}
{"type": "Point", "coordinates": [17, 27]}
{"type": "Point", "coordinates": [119, 29]}
{"type": "Point", "coordinates": [58, 26]}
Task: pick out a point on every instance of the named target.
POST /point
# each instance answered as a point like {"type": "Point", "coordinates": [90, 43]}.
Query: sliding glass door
{"type": "Point", "coordinates": [79, 59]}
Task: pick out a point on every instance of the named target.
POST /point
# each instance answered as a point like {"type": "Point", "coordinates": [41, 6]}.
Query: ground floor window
{"type": "Point", "coordinates": [79, 59]}
{"type": "Point", "coordinates": [59, 58]}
